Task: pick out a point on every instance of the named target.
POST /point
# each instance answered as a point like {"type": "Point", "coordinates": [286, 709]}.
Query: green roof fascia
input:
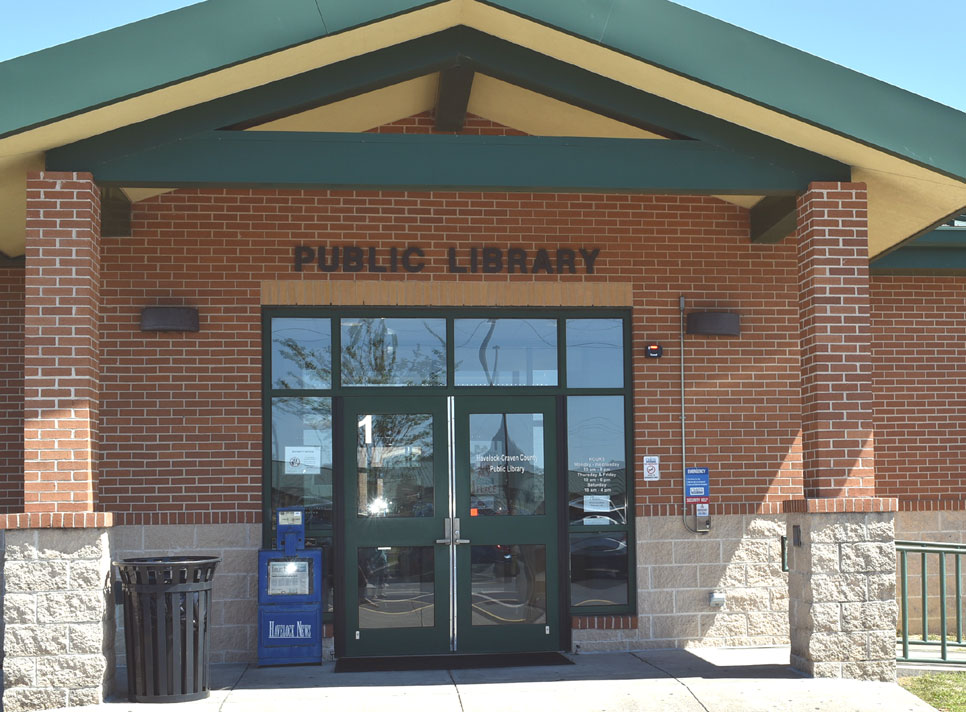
{"type": "Point", "coordinates": [426, 54]}
{"type": "Point", "coordinates": [942, 250]}
{"type": "Point", "coordinates": [766, 72]}
{"type": "Point", "coordinates": [126, 61]}
{"type": "Point", "coordinates": [416, 161]}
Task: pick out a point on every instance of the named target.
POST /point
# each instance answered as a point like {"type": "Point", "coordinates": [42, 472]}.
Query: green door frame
{"type": "Point", "coordinates": [369, 532]}
{"type": "Point", "coordinates": [513, 530]}
{"type": "Point", "coordinates": [365, 532]}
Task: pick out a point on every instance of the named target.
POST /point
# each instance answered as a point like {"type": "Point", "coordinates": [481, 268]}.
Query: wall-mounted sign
{"type": "Point", "coordinates": [652, 468]}
{"type": "Point", "coordinates": [697, 485]}
{"type": "Point", "coordinates": [459, 260]}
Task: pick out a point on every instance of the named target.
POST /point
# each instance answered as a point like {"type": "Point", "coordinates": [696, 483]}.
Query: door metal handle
{"type": "Point", "coordinates": [451, 532]}
{"type": "Point", "coordinates": [447, 532]}
{"type": "Point", "coordinates": [456, 532]}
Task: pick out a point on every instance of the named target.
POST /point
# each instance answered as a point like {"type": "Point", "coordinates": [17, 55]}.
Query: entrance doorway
{"type": "Point", "coordinates": [450, 525]}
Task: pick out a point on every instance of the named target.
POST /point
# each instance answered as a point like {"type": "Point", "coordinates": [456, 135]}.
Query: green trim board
{"type": "Point", "coordinates": [170, 48]}
{"type": "Point", "coordinates": [156, 53]}
{"type": "Point", "coordinates": [459, 46]}
{"type": "Point", "coordinates": [455, 85]}
{"type": "Point", "coordinates": [760, 70]}
{"type": "Point", "coordinates": [773, 219]}
{"type": "Point", "coordinates": [942, 251]}
{"type": "Point", "coordinates": [401, 161]}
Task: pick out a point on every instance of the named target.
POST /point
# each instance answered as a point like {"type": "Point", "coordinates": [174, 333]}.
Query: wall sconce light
{"type": "Point", "coordinates": [714, 323]}
{"type": "Point", "coordinates": [169, 319]}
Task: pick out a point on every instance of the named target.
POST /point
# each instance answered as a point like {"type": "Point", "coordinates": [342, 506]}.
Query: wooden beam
{"type": "Point", "coordinates": [773, 219]}
{"type": "Point", "coordinates": [403, 161]}
{"type": "Point", "coordinates": [115, 213]}
{"type": "Point", "coordinates": [453, 96]}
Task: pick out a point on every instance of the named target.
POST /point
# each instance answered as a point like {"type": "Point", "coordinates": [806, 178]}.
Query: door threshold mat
{"type": "Point", "coordinates": [449, 662]}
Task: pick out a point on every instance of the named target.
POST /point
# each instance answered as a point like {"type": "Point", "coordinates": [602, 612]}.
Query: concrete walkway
{"type": "Point", "coordinates": [712, 680]}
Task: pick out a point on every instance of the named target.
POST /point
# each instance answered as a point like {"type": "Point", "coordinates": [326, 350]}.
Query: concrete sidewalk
{"type": "Point", "coordinates": [710, 680]}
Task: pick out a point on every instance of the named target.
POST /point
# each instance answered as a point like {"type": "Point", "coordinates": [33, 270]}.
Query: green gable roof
{"type": "Point", "coordinates": [203, 38]}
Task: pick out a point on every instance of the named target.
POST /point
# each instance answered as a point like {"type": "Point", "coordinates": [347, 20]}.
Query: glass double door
{"type": "Point", "coordinates": [450, 525]}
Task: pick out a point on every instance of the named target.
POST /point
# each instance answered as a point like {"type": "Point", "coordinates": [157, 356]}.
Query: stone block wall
{"type": "Point", "coordinates": [676, 573]}
{"type": "Point", "coordinates": [59, 626]}
{"type": "Point", "coordinates": [945, 527]}
{"type": "Point", "coordinates": [234, 589]}
{"type": "Point", "coordinates": [843, 623]}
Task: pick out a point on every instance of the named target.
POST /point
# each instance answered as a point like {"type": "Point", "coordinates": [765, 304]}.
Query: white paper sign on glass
{"type": "Point", "coordinates": [652, 468]}
{"type": "Point", "coordinates": [303, 460]}
{"type": "Point", "coordinates": [596, 503]}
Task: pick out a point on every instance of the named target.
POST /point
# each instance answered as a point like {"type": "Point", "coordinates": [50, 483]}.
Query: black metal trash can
{"type": "Point", "coordinates": [167, 604]}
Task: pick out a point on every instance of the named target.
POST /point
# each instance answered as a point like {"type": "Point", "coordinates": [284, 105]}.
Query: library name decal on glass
{"type": "Point", "coordinates": [486, 260]}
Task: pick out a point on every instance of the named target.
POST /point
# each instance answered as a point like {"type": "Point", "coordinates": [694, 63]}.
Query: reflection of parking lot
{"type": "Point", "coordinates": [598, 569]}
{"type": "Point", "coordinates": [508, 584]}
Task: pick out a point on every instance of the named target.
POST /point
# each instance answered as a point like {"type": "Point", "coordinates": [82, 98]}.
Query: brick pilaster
{"type": "Point", "coordinates": [61, 380]}
{"type": "Point", "coordinates": [833, 279]}
{"type": "Point", "coordinates": [842, 608]}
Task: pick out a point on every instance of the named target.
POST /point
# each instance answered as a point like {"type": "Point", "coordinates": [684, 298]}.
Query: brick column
{"type": "Point", "coordinates": [61, 378]}
{"type": "Point", "coordinates": [842, 608]}
{"type": "Point", "coordinates": [58, 614]}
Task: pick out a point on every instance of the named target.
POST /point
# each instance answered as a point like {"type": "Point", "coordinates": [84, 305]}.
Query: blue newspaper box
{"type": "Point", "coordinates": [289, 595]}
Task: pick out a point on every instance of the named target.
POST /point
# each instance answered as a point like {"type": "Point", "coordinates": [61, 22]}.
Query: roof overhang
{"type": "Point", "coordinates": [909, 151]}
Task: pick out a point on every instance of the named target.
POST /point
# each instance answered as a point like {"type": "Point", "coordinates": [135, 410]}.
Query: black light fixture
{"type": "Point", "coordinates": [717, 323]}
{"type": "Point", "coordinates": [169, 319]}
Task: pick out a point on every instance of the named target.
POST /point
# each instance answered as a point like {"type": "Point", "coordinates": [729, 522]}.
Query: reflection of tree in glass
{"type": "Point", "coordinates": [396, 464]}
{"type": "Point", "coordinates": [314, 366]}
{"type": "Point", "coordinates": [371, 356]}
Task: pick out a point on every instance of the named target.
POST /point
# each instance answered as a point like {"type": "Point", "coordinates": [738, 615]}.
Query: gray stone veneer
{"type": "Point", "coordinates": [58, 623]}
{"type": "Point", "coordinates": [676, 573]}
{"type": "Point", "coordinates": [234, 608]}
{"type": "Point", "coordinates": [842, 585]}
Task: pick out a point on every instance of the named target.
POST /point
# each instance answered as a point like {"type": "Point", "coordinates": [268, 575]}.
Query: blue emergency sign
{"type": "Point", "coordinates": [697, 485]}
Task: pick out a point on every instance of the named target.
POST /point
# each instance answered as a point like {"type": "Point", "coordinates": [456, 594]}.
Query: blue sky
{"type": "Point", "coordinates": [911, 45]}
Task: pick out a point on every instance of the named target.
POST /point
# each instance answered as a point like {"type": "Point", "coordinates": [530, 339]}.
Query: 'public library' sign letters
{"type": "Point", "coordinates": [486, 260]}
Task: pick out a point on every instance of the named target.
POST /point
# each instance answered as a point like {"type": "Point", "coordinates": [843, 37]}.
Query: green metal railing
{"type": "Point", "coordinates": [933, 560]}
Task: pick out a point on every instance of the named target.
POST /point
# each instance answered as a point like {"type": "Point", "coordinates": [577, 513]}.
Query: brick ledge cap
{"type": "Point", "coordinates": [57, 520]}
{"type": "Point", "coordinates": [839, 505]}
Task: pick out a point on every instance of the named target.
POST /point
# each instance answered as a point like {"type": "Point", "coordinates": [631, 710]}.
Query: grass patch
{"type": "Point", "coordinates": [946, 691]}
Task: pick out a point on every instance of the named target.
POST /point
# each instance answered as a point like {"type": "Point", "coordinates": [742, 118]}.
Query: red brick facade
{"type": "Point", "coordinates": [11, 389]}
{"type": "Point", "coordinates": [919, 350]}
{"type": "Point", "coordinates": [181, 413]}
{"type": "Point", "coordinates": [61, 382]}
{"type": "Point", "coordinates": [179, 422]}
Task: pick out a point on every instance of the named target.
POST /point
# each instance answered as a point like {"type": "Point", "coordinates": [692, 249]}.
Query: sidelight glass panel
{"type": "Point", "coordinates": [595, 353]}
{"type": "Point", "coordinates": [598, 569]}
{"type": "Point", "coordinates": [505, 352]}
{"type": "Point", "coordinates": [597, 468]}
{"type": "Point", "coordinates": [301, 353]}
{"type": "Point", "coordinates": [509, 584]}
{"type": "Point", "coordinates": [394, 455]}
{"type": "Point", "coordinates": [506, 464]}
{"type": "Point", "coordinates": [301, 435]}
{"type": "Point", "coordinates": [396, 587]}
{"type": "Point", "coordinates": [393, 352]}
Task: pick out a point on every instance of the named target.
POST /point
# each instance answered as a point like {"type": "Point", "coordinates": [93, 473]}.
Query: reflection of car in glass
{"type": "Point", "coordinates": [613, 515]}
{"type": "Point", "coordinates": [598, 556]}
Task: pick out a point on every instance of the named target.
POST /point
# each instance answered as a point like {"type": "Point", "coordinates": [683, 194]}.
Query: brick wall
{"type": "Point", "coordinates": [181, 415]}
{"type": "Point", "coordinates": [11, 389]}
{"type": "Point", "coordinates": [919, 348]}
{"type": "Point", "coordinates": [426, 123]}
